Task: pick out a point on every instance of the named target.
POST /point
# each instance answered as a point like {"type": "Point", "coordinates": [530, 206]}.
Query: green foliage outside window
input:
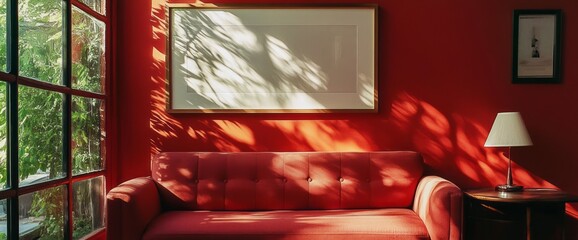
{"type": "Point", "coordinates": [88, 66]}
{"type": "Point", "coordinates": [40, 39]}
{"type": "Point", "coordinates": [3, 36]}
{"type": "Point", "coordinates": [3, 224]}
{"type": "Point", "coordinates": [86, 135]}
{"type": "Point", "coordinates": [3, 136]}
{"type": "Point", "coordinates": [48, 204]}
{"type": "Point", "coordinates": [89, 204]}
{"type": "Point", "coordinates": [39, 133]}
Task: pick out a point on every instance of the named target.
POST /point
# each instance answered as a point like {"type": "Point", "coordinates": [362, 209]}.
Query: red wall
{"type": "Point", "coordinates": [444, 73]}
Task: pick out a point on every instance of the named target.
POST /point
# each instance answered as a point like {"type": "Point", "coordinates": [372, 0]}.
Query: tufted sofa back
{"type": "Point", "coordinates": [286, 180]}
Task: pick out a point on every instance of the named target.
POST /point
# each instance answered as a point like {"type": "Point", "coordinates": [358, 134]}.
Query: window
{"type": "Point", "coordinates": [88, 56]}
{"type": "Point", "coordinates": [88, 212]}
{"type": "Point", "coordinates": [40, 40]}
{"type": "Point", "coordinates": [41, 214]}
{"type": "Point", "coordinates": [87, 134]}
{"type": "Point", "coordinates": [40, 135]}
{"type": "Point", "coordinates": [53, 104]}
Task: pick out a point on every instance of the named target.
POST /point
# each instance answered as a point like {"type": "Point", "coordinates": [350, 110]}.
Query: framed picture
{"type": "Point", "coordinates": [247, 58]}
{"type": "Point", "coordinates": [536, 46]}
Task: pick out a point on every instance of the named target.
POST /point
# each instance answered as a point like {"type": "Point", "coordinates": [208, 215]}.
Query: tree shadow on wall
{"type": "Point", "coordinates": [452, 144]}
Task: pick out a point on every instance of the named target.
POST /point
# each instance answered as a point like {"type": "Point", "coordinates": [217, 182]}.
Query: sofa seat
{"type": "Point", "coordinates": [390, 223]}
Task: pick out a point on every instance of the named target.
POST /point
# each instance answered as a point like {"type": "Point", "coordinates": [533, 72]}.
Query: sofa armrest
{"type": "Point", "coordinates": [438, 202]}
{"type": "Point", "coordinates": [131, 206]}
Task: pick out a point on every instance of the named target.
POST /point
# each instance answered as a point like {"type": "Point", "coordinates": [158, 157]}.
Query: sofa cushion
{"type": "Point", "coordinates": [297, 180]}
{"type": "Point", "coordinates": [392, 223]}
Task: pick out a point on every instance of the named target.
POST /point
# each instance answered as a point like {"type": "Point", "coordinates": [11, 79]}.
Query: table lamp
{"type": "Point", "coordinates": [509, 131]}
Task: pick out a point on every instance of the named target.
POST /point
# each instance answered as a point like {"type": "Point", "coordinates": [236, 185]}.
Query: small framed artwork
{"type": "Point", "coordinates": [536, 46]}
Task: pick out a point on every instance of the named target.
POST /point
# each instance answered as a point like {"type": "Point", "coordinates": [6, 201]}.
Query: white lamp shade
{"type": "Point", "coordinates": [508, 130]}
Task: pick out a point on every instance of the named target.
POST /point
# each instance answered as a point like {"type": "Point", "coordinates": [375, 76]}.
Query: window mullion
{"type": "Point", "coordinates": [12, 117]}
{"type": "Point", "coordinates": [12, 37]}
{"type": "Point", "coordinates": [88, 10]}
{"type": "Point", "coordinates": [12, 161]}
{"type": "Point", "coordinates": [67, 115]}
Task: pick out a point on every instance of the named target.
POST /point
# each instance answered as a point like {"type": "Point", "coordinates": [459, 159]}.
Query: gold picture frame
{"type": "Point", "coordinates": [272, 59]}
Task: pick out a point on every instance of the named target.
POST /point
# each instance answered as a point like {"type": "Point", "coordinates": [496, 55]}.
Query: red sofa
{"type": "Point", "coordinates": [291, 195]}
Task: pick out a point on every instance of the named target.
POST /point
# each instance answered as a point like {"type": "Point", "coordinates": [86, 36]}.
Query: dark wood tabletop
{"type": "Point", "coordinates": [529, 195]}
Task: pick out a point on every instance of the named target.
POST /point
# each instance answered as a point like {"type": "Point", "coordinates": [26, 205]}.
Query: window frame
{"type": "Point", "coordinates": [12, 79]}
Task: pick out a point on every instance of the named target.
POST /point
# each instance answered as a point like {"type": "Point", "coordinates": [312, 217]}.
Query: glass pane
{"type": "Point", "coordinates": [3, 137]}
{"type": "Point", "coordinates": [40, 39]}
{"type": "Point", "coordinates": [39, 135]}
{"type": "Point", "coordinates": [3, 219]}
{"type": "Point", "coordinates": [87, 134]}
{"type": "Point", "coordinates": [96, 5]}
{"type": "Point", "coordinates": [3, 52]}
{"type": "Point", "coordinates": [88, 200]}
{"type": "Point", "coordinates": [88, 59]}
{"type": "Point", "coordinates": [42, 214]}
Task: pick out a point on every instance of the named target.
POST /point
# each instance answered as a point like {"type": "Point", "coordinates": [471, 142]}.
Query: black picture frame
{"type": "Point", "coordinates": [537, 46]}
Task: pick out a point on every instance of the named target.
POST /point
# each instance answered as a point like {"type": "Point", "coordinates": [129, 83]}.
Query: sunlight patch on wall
{"type": "Point", "coordinates": [158, 56]}
{"type": "Point", "coordinates": [468, 168]}
{"type": "Point", "coordinates": [332, 135]}
{"type": "Point", "coordinates": [469, 137]}
{"type": "Point", "coordinates": [237, 132]}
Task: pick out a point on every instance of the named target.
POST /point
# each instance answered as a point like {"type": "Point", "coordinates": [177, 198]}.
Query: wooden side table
{"type": "Point", "coordinates": [535, 213]}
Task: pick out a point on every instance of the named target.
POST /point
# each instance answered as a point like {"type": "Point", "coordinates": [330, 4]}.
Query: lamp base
{"type": "Point", "coordinates": [509, 188]}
